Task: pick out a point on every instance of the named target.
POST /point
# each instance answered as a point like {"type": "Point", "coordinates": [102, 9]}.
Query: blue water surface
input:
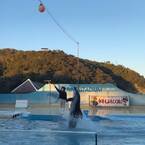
{"type": "Point", "coordinates": [110, 129]}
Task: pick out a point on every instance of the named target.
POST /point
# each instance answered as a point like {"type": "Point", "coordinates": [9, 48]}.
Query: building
{"type": "Point", "coordinates": [99, 94]}
{"type": "Point", "coordinates": [26, 87]}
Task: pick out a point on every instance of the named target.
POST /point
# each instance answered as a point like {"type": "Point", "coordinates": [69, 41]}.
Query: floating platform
{"type": "Point", "coordinates": [54, 118]}
{"type": "Point", "coordinates": [9, 114]}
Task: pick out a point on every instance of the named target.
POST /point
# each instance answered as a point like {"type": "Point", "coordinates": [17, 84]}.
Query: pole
{"type": "Point", "coordinates": [49, 91]}
{"type": "Point", "coordinates": [49, 96]}
{"type": "Point", "coordinates": [96, 138]}
{"type": "Point", "coordinates": [78, 65]}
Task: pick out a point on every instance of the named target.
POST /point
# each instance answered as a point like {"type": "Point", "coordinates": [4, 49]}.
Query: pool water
{"type": "Point", "coordinates": [123, 129]}
{"type": "Point", "coordinates": [27, 132]}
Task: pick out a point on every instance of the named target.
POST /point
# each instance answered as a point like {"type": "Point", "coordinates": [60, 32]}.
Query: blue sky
{"type": "Point", "coordinates": [108, 30]}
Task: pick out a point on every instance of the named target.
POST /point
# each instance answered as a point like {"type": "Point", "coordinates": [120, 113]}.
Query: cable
{"type": "Point", "coordinates": [40, 1]}
{"type": "Point", "coordinates": [60, 26]}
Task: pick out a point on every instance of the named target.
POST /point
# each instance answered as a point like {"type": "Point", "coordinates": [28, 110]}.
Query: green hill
{"type": "Point", "coordinates": [16, 66]}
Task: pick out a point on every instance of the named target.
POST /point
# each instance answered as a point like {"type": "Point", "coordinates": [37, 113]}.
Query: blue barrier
{"type": "Point", "coordinates": [35, 97]}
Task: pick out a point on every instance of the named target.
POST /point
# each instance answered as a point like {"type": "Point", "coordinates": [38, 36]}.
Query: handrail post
{"type": "Point", "coordinates": [96, 138]}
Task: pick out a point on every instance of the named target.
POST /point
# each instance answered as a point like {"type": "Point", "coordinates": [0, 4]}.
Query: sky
{"type": "Point", "coordinates": [107, 30]}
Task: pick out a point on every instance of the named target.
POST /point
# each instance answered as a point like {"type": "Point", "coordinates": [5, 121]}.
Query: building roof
{"type": "Point", "coordinates": [26, 87]}
{"type": "Point", "coordinates": [82, 87]}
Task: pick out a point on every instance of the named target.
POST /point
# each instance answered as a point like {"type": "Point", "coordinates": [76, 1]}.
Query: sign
{"type": "Point", "coordinates": [21, 104]}
{"type": "Point", "coordinates": [118, 101]}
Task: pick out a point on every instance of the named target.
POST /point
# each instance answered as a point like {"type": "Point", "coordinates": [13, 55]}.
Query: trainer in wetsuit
{"type": "Point", "coordinates": [62, 96]}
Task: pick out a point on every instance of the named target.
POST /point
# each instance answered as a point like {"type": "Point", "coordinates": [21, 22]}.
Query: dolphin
{"type": "Point", "coordinates": [75, 110]}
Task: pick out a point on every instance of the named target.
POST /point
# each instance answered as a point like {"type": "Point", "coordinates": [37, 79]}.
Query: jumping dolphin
{"type": "Point", "coordinates": [75, 110]}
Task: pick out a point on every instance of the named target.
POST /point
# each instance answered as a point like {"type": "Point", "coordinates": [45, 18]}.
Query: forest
{"type": "Point", "coordinates": [16, 66]}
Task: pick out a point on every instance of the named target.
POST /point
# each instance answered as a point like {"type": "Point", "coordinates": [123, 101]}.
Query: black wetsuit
{"type": "Point", "coordinates": [62, 94]}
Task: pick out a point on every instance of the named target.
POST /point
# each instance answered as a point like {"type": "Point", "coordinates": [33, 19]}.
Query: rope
{"type": "Point", "coordinates": [40, 1]}
{"type": "Point", "coordinates": [60, 26]}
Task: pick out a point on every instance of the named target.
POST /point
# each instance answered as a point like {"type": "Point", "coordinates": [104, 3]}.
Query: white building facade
{"type": "Point", "coordinates": [99, 94]}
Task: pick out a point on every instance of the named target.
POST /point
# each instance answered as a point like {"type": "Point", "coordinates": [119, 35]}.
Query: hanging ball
{"type": "Point", "coordinates": [41, 8]}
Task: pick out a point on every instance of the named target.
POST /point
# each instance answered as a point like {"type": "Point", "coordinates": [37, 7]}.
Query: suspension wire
{"type": "Point", "coordinates": [40, 1]}
{"type": "Point", "coordinates": [60, 26]}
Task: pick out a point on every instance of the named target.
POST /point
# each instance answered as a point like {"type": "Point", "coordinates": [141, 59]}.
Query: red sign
{"type": "Point", "coordinates": [109, 100]}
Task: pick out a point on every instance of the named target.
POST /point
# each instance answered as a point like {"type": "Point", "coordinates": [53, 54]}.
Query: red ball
{"type": "Point", "coordinates": [41, 8]}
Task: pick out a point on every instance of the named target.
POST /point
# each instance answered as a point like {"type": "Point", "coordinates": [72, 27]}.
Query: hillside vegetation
{"type": "Point", "coordinates": [16, 66]}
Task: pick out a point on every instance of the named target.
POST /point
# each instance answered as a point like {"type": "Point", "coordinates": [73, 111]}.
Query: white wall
{"type": "Point", "coordinates": [102, 90]}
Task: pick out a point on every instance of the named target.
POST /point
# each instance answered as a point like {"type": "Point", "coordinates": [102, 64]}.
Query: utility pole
{"type": "Point", "coordinates": [49, 96]}
{"type": "Point", "coordinates": [78, 65]}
